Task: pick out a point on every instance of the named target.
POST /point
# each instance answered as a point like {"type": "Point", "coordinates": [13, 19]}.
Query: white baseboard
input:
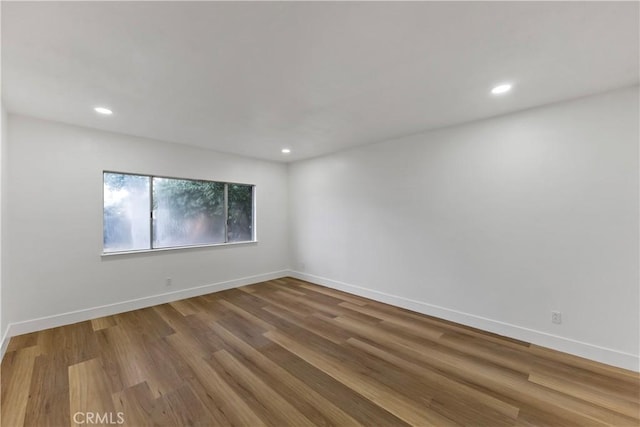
{"type": "Point", "coordinates": [27, 326]}
{"type": "Point", "coordinates": [4, 342]}
{"type": "Point", "coordinates": [566, 345]}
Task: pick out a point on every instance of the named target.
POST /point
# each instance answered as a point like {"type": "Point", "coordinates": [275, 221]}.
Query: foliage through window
{"type": "Point", "coordinates": [147, 212]}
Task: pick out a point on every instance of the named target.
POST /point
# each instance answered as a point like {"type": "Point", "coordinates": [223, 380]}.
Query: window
{"type": "Point", "coordinates": [147, 212]}
{"type": "Point", "coordinates": [126, 212]}
{"type": "Point", "coordinates": [187, 212]}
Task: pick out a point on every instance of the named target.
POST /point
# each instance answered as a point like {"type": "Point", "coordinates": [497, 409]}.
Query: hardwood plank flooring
{"type": "Point", "coordinates": [290, 353]}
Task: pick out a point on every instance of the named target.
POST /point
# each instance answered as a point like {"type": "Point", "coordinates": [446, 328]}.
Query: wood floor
{"type": "Point", "coordinates": [289, 353]}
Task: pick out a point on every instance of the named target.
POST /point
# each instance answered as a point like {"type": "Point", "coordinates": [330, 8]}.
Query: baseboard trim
{"type": "Point", "coordinates": [4, 343]}
{"type": "Point", "coordinates": [33, 325]}
{"type": "Point", "coordinates": [567, 345]}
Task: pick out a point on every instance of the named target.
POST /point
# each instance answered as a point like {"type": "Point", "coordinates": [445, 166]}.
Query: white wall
{"type": "Point", "coordinates": [3, 140]}
{"type": "Point", "coordinates": [493, 224]}
{"type": "Point", "coordinates": [53, 234]}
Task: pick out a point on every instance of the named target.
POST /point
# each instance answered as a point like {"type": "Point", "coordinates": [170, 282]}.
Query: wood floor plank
{"type": "Point", "coordinates": [144, 324]}
{"type": "Point", "coordinates": [137, 404]}
{"type": "Point", "coordinates": [458, 390]}
{"type": "Point", "coordinates": [122, 359]}
{"type": "Point", "coordinates": [289, 353]}
{"type": "Point", "coordinates": [500, 380]}
{"type": "Point", "coordinates": [69, 344]}
{"type": "Point", "coordinates": [311, 306]}
{"type": "Point", "coordinates": [129, 360]}
{"type": "Point", "coordinates": [313, 324]}
{"type": "Point", "coordinates": [623, 389]}
{"type": "Point", "coordinates": [103, 322]}
{"type": "Point", "coordinates": [229, 404]}
{"type": "Point", "coordinates": [247, 316]}
{"type": "Point", "coordinates": [589, 365]}
{"type": "Point", "coordinates": [421, 329]}
{"type": "Point", "coordinates": [283, 286]}
{"type": "Point", "coordinates": [90, 393]}
{"type": "Point", "coordinates": [186, 409]}
{"type": "Point", "coordinates": [48, 403]}
{"type": "Point", "coordinates": [189, 326]}
{"type": "Point", "coordinates": [404, 409]}
{"type": "Point", "coordinates": [379, 309]}
{"type": "Point", "coordinates": [507, 383]}
{"type": "Point", "coordinates": [279, 409]}
{"type": "Point", "coordinates": [283, 303]}
{"type": "Point", "coordinates": [501, 356]}
{"type": "Point", "coordinates": [586, 393]}
{"type": "Point", "coordinates": [363, 410]}
{"type": "Point", "coordinates": [17, 370]}
{"type": "Point", "coordinates": [325, 413]}
{"type": "Point", "coordinates": [343, 296]}
{"type": "Point", "coordinates": [248, 331]}
{"type": "Point", "coordinates": [22, 341]}
{"type": "Point", "coordinates": [185, 307]}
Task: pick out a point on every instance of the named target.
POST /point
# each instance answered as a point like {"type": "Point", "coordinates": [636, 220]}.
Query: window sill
{"type": "Point", "coordinates": [174, 248]}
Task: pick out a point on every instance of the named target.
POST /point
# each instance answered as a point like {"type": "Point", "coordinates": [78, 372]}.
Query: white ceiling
{"type": "Point", "coordinates": [252, 78]}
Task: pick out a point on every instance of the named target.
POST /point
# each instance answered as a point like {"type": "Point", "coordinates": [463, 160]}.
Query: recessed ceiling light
{"type": "Point", "coordinates": [286, 151]}
{"type": "Point", "coordinates": [500, 89]}
{"type": "Point", "coordinates": [103, 110]}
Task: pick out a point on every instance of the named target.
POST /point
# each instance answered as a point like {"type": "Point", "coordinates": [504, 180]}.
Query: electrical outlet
{"type": "Point", "coordinates": [168, 281]}
{"type": "Point", "coordinates": [556, 317]}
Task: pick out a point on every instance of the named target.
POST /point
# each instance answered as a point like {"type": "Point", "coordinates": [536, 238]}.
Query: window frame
{"type": "Point", "coordinates": [254, 238]}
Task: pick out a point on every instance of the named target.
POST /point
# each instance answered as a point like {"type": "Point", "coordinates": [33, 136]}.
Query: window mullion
{"type": "Point", "coordinates": [150, 212]}
{"type": "Point", "coordinates": [226, 212]}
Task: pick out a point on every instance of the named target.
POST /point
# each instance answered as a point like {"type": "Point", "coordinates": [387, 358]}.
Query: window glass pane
{"type": "Point", "coordinates": [240, 213]}
{"type": "Point", "coordinates": [187, 212]}
{"type": "Point", "coordinates": [126, 212]}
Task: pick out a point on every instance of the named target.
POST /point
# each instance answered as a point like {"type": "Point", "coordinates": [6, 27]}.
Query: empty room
{"type": "Point", "coordinates": [320, 213]}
